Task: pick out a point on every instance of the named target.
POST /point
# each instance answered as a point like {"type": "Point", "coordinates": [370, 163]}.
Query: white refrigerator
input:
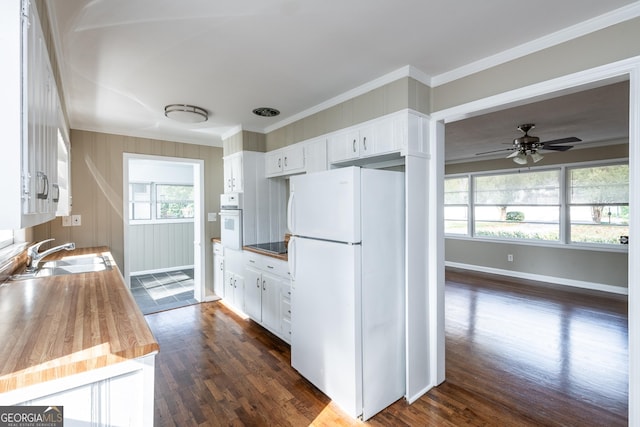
{"type": "Point", "coordinates": [346, 259]}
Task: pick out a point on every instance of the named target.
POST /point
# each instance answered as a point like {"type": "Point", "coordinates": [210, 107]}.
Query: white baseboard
{"type": "Point", "coordinates": [160, 270]}
{"type": "Point", "coordinates": [541, 278]}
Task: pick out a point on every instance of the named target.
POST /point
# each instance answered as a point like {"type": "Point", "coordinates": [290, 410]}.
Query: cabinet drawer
{"type": "Point", "coordinates": [286, 330]}
{"type": "Point", "coordinates": [276, 266]}
{"type": "Point", "coordinates": [286, 309]}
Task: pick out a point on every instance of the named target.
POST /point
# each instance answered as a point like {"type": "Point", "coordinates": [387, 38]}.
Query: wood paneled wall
{"type": "Point", "coordinates": [97, 188]}
{"type": "Point", "coordinates": [160, 246]}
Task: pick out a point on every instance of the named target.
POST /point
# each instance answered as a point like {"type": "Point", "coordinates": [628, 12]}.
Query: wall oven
{"type": "Point", "coordinates": [231, 220]}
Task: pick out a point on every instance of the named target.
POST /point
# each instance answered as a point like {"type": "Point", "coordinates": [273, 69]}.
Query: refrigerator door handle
{"type": "Point", "coordinates": [292, 257]}
{"type": "Point", "coordinates": [290, 213]}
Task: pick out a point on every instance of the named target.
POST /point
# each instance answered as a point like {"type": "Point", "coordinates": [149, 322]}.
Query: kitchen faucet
{"type": "Point", "coordinates": [34, 257]}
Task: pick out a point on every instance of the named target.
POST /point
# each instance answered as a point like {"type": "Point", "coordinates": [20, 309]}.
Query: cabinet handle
{"type": "Point", "coordinates": [270, 266]}
{"type": "Point", "coordinates": [43, 186]}
{"type": "Point", "coordinates": [258, 282]}
{"type": "Point", "coordinates": [56, 189]}
{"type": "Point", "coordinates": [279, 162]}
{"type": "Point", "coordinates": [364, 143]}
{"type": "Point", "coordinates": [354, 145]}
{"type": "Point", "coordinates": [285, 161]}
{"type": "Point", "coordinates": [264, 285]}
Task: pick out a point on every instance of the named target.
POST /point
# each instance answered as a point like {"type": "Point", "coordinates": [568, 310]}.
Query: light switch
{"type": "Point", "coordinates": [66, 221]}
{"type": "Point", "coordinates": [211, 216]}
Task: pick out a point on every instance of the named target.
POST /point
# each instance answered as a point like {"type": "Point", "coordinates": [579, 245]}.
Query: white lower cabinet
{"type": "Point", "coordinates": [234, 290]}
{"type": "Point", "coordinates": [116, 395]}
{"type": "Point", "coordinates": [267, 286]}
{"type": "Point", "coordinates": [218, 270]}
{"type": "Point", "coordinates": [234, 278]}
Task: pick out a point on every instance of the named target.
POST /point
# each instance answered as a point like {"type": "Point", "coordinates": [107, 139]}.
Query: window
{"type": "Point", "coordinates": [6, 238]}
{"type": "Point", "coordinates": [573, 204]}
{"type": "Point", "coordinates": [598, 199]}
{"type": "Point", "coordinates": [151, 201]}
{"type": "Point", "coordinates": [456, 205]}
{"type": "Point", "coordinates": [174, 201]}
{"type": "Point", "coordinates": [139, 201]}
{"type": "Point", "coordinates": [524, 205]}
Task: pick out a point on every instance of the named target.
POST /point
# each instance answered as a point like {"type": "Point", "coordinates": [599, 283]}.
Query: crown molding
{"type": "Point", "coordinates": [608, 19]}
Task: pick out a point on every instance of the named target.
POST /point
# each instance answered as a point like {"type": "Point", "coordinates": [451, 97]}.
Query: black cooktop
{"type": "Point", "coordinates": [272, 247]}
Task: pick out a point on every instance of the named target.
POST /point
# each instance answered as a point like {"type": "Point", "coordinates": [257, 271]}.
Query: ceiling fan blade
{"type": "Point", "coordinates": [556, 147]}
{"type": "Point", "coordinates": [495, 151]}
{"type": "Point", "coordinates": [561, 141]}
{"type": "Point", "coordinates": [514, 154]}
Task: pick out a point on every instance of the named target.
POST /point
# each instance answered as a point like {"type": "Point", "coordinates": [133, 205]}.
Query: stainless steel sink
{"type": "Point", "coordinates": [68, 265]}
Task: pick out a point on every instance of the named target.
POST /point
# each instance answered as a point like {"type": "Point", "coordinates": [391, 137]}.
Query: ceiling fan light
{"type": "Point", "coordinates": [536, 157]}
{"type": "Point", "coordinates": [520, 159]}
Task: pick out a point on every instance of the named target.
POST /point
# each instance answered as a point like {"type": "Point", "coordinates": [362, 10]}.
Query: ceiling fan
{"type": "Point", "coordinates": [528, 145]}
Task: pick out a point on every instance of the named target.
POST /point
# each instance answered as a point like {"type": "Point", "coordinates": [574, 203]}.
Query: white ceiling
{"type": "Point", "coordinates": [122, 61]}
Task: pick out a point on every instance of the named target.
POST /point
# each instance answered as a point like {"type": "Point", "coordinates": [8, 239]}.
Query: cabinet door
{"type": "Point", "coordinates": [273, 165]}
{"type": "Point", "coordinates": [228, 177]}
{"type": "Point", "coordinates": [229, 286]}
{"type": "Point", "coordinates": [388, 137]}
{"type": "Point", "coordinates": [253, 294]}
{"type": "Point", "coordinates": [343, 146]}
{"type": "Point", "coordinates": [237, 182]}
{"type": "Point", "coordinates": [293, 159]}
{"type": "Point", "coordinates": [218, 275]}
{"type": "Point", "coordinates": [271, 302]}
{"type": "Point", "coordinates": [367, 139]}
{"type": "Point", "coordinates": [316, 155]}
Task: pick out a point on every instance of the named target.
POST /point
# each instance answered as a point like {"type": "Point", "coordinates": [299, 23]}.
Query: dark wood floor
{"type": "Point", "coordinates": [516, 355]}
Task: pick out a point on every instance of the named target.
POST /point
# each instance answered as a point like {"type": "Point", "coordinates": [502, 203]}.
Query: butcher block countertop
{"type": "Point", "coordinates": [57, 326]}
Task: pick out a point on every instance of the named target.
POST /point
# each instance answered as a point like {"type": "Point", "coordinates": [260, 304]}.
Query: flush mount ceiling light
{"type": "Point", "coordinates": [186, 113]}
{"type": "Point", "coordinates": [266, 112]}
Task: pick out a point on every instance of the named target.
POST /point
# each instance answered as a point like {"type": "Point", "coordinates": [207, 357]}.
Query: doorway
{"type": "Point", "coordinates": [163, 230]}
{"type": "Point", "coordinates": [624, 69]}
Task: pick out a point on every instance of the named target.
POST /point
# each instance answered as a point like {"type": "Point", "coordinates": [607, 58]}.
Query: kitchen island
{"type": "Point", "coordinates": [80, 341]}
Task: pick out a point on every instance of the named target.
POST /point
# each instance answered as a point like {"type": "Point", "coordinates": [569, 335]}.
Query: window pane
{"type": "Point", "coordinates": [599, 185]}
{"type": "Point", "coordinates": [140, 192]}
{"type": "Point", "coordinates": [169, 210]}
{"type": "Point", "coordinates": [174, 192]}
{"type": "Point", "coordinates": [456, 219]}
{"type": "Point", "coordinates": [174, 201]}
{"type": "Point", "coordinates": [456, 191]}
{"type": "Point", "coordinates": [141, 210]}
{"type": "Point", "coordinates": [518, 222]}
{"type": "Point", "coordinates": [6, 238]}
{"type": "Point", "coordinates": [599, 224]}
{"type": "Point", "coordinates": [599, 198]}
{"type": "Point", "coordinates": [525, 188]}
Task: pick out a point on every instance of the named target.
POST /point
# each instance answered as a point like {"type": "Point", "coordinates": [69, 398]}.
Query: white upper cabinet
{"type": "Point", "coordinates": [285, 161]}
{"type": "Point", "coordinates": [233, 174]}
{"type": "Point", "coordinates": [381, 139]}
{"type": "Point", "coordinates": [303, 157]}
{"type": "Point", "coordinates": [30, 119]}
{"type": "Point", "coordinates": [315, 153]}
{"type": "Point", "coordinates": [380, 136]}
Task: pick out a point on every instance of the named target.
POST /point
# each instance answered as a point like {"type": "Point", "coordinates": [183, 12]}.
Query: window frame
{"type": "Point", "coordinates": [153, 204]}
{"type": "Point", "coordinates": [564, 206]}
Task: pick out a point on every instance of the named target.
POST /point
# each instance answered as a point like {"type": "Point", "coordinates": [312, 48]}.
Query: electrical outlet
{"type": "Point", "coordinates": [66, 221]}
{"type": "Point", "coordinates": [510, 257]}
{"type": "Point", "coordinates": [76, 220]}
